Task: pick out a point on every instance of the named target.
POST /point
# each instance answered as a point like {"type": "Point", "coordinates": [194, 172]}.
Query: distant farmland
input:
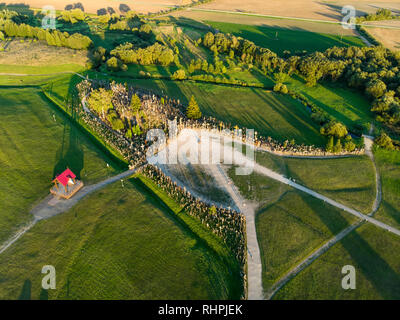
{"type": "Point", "coordinates": [280, 39]}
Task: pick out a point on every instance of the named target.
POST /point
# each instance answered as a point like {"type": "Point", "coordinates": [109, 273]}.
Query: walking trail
{"type": "Point", "coordinates": [52, 206]}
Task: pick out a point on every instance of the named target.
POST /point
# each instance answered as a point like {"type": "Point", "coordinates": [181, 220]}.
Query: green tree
{"type": "Point", "coordinates": [179, 75]}
{"type": "Point", "coordinates": [208, 40]}
{"type": "Point", "coordinates": [335, 129]}
{"type": "Point", "coordinates": [136, 104]}
{"type": "Point", "coordinates": [193, 110]}
{"type": "Point", "coordinates": [329, 145]}
{"type": "Point", "coordinates": [100, 101]}
{"type": "Point", "coordinates": [338, 146]}
{"type": "Point", "coordinates": [384, 141]}
{"type": "Point", "coordinates": [375, 88]}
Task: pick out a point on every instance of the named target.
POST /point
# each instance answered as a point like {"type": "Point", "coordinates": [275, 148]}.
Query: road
{"type": "Point", "coordinates": [283, 17]}
{"type": "Point", "coordinates": [254, 266]}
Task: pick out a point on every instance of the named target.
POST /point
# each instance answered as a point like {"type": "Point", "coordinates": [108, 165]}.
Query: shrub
{"type": "Point", "coordinates": [384, 141]}
{"type": "Point", "coordinates": [193, 110]}
{"type": "Point", "coordinates": [179, 75]}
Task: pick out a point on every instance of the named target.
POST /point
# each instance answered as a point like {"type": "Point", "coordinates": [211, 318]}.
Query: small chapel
{"type": "Point", "coordinates": [66, 185]}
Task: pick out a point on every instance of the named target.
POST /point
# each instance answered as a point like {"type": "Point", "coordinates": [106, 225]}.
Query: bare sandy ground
{"type": "Point", "coordinates": [39, 54]}
{"type": "Point", "coordinates": [388, 37]}
{"type": "Point", "coordinates": [91, 6]}
{"type": "Point", "coordinates": [313, 9]}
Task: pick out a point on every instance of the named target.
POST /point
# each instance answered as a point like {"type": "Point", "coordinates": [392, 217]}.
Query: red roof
{"type": "Point", "coordinates": [64, 177]}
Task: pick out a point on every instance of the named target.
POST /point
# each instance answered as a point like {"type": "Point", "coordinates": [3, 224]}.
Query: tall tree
{"type": "Point", "coordinates": [193, 110]}
{"type": "Point", "coordinates": [136, 104]}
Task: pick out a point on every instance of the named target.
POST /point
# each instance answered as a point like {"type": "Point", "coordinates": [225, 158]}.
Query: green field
{"type": "Point", "coordinates": [118, 243]}
{"type": "Point", "coordinates": [291, 228]}
{"type": "Point", "coordinates": [388, 163]}
{"type": "Point", "coordinates": [346, 105]}
{"type": "Point", "coordinates": [334, 178]}
{"type": "Point", "coordinates": [281, 39]}
{"type": "Point", "coordinates": [37, 143]}
{"type": "Point", "coordinates": [291, 224]}
{"type": "Point", "coordinates": [270, 114]}
{"type": "Point", "coordinates": [337, 179]}
{"type": "Point", "coordinates": [375, 255]}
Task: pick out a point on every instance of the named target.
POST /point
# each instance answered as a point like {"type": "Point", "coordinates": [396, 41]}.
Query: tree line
{"type": "Point", "coordinates": [372, 70]}
{"type": "Point", "coordinates": [154, 54]}
{"type": "Point", "coordinates": [52, 37]}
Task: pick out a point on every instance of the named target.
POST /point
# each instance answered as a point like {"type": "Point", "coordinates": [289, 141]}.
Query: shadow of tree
{"type": "Point", "coordinates": [26, 290]}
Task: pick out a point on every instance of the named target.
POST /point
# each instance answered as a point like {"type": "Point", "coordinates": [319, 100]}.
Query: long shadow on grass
{"type": "Point", "coordinates": [391, 211]}
{"type": "Point", "coordinates": [26, 290]}
{"type": "Point", "coordinates": [235, 290]}
{"type": "Point", "coordinates": [70, 155]}
{"type": "Point", "coordinates": [384, 279]}
{"type": "Point", "coordinates": [305, 128]}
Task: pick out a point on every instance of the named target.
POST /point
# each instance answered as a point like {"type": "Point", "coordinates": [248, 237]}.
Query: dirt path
{"type": "Point", "coordinates": [52, 206]}
{"type": "Point", "coordinates": [254, 266]}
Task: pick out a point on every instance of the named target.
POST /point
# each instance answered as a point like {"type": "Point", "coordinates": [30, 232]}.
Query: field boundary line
{"type": "Point", "coordinates": [267, 16]}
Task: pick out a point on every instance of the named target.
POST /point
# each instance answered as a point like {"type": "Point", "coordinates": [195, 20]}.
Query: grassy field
{"type": "Point", "coordinates": [346, 105]}
{"type": "Point", "coordinates": [281, 39]}
{"type": "Point", "coordinates": [337, 179]}
{"type": "Point", "coordinates": [291, 224]}
{"type": "Point", "coordinates": [334, 178]}
{"type": "Point", "coordinates": [37, 143]}
{"type": "Point", "coordinates": [291, 228]}
{"type": "Point", "coordinates": [388, 163]}
{"type": "Point", "coordinates": [38, 53]}
{"type": "Point", "coordinates": [119, 243]}
{"type": "Point", "coordinates": [375, 255]}
{"type": "Point", "coordinates": [280, 117]}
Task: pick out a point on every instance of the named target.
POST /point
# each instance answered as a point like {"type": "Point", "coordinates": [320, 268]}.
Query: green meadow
{"type": "Point", "coordinates": [270, 114]}
{"type": "Point", "coordinates": [291, 228]}
{"type": "Point", "coordinates": [281, 39]}
{"type": "Point", "coordinates": [121, 243]}
{"type": "Point", "coordinates": [373, 252]}
{"type": "Point", "coordinates": [36, 143]}
{"type": "Point", "coordinates": [388, 163]}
